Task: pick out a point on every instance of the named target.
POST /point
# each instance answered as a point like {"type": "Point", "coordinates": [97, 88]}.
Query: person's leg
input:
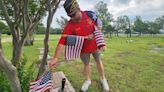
{"type": "Point", "coordinates": [99, 64]}
{"type": "Point", "coordinates": [100, 68]}
{"type": "Point", "coordinates": [86, 59]}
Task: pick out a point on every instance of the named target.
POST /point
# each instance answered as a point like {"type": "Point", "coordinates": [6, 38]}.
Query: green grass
{"type": "Point", "coordinates": [129, 64]}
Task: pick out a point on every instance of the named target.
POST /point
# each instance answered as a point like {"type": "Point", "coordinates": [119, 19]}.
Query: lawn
{"type": "Point", "coordinates": [133, 64]}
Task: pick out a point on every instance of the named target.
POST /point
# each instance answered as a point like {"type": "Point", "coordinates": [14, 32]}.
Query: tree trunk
{"type": "Point", "coordinates": [29, 41]}
{"type": "Point", "coordinates": [117, 33]}
{"type": "Point", "coordinates": [11, 74]}
{"type": "Point", "coordinates": [46, 46]}
{"type": "Point", "coordinates": [30, 38]}
{"type": "Point", "coordinates": [139, 33]}
{"type": "Point", "coordinates": [17, 52]}
{"type": "Point", "coordinates": [129, 28]}
{"type": "Point", "coordinates": [130, 33]}
{"type": "Point", "coordinates": [110, 33]}
{"type": "Point", "coordinates": [0, 42]}
{"type": "Point", "coordinates": [51, 12]}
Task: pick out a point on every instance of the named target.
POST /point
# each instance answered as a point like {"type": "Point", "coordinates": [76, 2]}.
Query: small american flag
{"type": "Point", "coordinates": [74, 46]}
{"type": "Point", "coordinates": [42, 84]}
{"type": "Point", "coordinates": [99, 38]}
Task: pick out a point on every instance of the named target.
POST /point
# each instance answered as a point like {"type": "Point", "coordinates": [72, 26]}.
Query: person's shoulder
{"type": "Point", "coordinates": [90, 13]}
{"type": "Point", "coordinates": [68, 25]}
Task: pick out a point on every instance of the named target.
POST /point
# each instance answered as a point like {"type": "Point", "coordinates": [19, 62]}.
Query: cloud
{"type": "Point", "coordinates": [147, 9]}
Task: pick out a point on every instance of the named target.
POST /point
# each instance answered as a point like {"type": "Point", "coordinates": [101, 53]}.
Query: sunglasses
{"type": "Point", "coordinates": [72, 15]}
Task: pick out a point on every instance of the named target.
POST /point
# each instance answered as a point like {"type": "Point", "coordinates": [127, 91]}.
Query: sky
{"type": "Point", "coordinates": [149, 10]}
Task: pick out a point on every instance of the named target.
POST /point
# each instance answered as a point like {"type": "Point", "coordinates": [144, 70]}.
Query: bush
{"type": "Point", "coordinates": [4, 84]}
{"type": "Point", "coordinates": [25, 76]}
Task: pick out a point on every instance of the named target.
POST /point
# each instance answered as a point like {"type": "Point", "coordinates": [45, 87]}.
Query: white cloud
{"type": "Point", "coordinates": [147, 9]}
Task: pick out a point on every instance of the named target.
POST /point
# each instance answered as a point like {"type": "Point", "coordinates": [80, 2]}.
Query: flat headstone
{"type": "Point", "coordinates": [41, 48]}
{"type": "Point", "coordinates": [57, 82]}
{"type": "Point", "coordinates": [41, 52]}
{"type": "Point", "coordinates": [41, 57]}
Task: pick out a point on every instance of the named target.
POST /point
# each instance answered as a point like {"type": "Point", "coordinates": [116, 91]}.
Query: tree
{"type": "Point", "coordinates": [102, 11]}
{"type": "Point", "coordinates": [109, 30]}
{"type": "Point", "coordinates": [153, 28]}
{"type": "Point", "coordinates": [139, 25]}
{"type": "Point", "coordinates": [160, 22]}
{"type": "Point", "coordinates": [2, 26]}
{"type": "Point", "coordinates": [21, 21]}
{"type": "Point", "coordinates": [0, 41]}
{"type": "Point", "coordinates": [128, 25]}
{"type": "Point", "coordinates": [4, 29]}
{"type": "Point", "coordinates": [123, 24]}
{"type": "Point", "coordinates": [52, 6]}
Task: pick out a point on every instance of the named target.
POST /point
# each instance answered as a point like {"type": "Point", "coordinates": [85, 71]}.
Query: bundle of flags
{"type": "Point", "coordinates": [98, 34]}
{"type": "Point", "coordinates": [99, 38]}
{"type": "Point", "coordinates": [43, 83]}
{"type": "Point", "coordinates": [74, 46]}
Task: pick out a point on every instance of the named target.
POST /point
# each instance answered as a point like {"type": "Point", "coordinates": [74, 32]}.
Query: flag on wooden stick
{"type": "Point", "coordinates": [42, 84]}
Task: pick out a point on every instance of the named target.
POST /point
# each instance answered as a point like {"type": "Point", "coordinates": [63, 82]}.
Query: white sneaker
{"type": "Point", "coordinates": [86, 85]}
{"type": "Point", "coordinates": [105, 85]}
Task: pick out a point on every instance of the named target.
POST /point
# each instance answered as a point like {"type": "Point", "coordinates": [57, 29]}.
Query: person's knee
{"type": "Point", "coordinates": [97, 56]}
{"type": "Point", "coordinates": [85, 58]}
{"type": "Point", "coordinates": [86, 64]}
{"type": "Point", "coordinates": [98, 61]}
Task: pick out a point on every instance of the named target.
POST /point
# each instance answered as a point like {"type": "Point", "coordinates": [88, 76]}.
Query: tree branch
{"type": "Point", "coordinates": [5, 13]}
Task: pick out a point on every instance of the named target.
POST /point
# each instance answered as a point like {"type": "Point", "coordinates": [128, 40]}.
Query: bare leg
{"type": "Point", "coordinates": [86, 59]}
{"type": "Point", "coordinates": [100, 68]}
{"type": "Point", "coordinates": [87, 71]}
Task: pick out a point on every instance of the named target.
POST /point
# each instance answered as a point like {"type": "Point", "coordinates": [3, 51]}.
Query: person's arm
{"type": "Point", "coordinates": [58, 50]}
{"type": "Point", "coordinates": [57, 54]}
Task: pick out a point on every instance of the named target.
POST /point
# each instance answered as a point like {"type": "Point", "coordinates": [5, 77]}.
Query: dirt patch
{"type": "Point", "coordinates": [156, 48]}
{"type": "Point", "coordinates": [124, 54]}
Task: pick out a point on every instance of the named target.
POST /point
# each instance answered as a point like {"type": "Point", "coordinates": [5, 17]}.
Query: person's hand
{"type": "Point", "coordinates": [90, 37]}
{"type": "Point", "coordinates": [53, 62]}
{"type": "Point", "coordinates": [98, 27]}
{"type": "Point", "coordinates": [103, 48]}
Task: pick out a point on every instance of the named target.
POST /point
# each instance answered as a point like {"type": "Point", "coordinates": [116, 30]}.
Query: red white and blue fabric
{"type": "Point", "coordinates": [94, 17]}
{"type": "Point", "coordinates": [99, 38]}
{"type": "Point", "coordinates": [98, 34]}
{"type": "Point", "coordinates": [42, 84]}
{"type": "Point", "coordinates": [73, 47]}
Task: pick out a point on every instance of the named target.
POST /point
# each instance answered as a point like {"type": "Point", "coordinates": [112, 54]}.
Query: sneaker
{"type": "Point", "coordinates": [86, 85]}
{"type": "Point", "coordinates": [105, 85]}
